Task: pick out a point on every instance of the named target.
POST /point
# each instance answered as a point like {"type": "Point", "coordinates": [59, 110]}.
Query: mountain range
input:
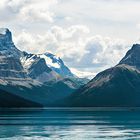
{"type": "Point", "coordinates": [40, 80]}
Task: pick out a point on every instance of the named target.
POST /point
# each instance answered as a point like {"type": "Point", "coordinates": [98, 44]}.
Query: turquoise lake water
{"type": "Point", "coordinates": [69, 124]}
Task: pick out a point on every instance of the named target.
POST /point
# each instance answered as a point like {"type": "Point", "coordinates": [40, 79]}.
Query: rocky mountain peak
{"type": "Point", "coordinates": [132, 57]}
{"type": "Point", "coordinates": [5, 39]}
{"type": "Point", "coordinates": [7, 47]}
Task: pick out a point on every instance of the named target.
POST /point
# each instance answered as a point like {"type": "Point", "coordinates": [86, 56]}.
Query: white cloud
{"type": "Point", "coordinates": [25, 10]}
{"type": "Point", "coordinates": [108, 18]}
{"type": "Point", "coordinates": [26, 42]}
{"type": "Point", "coordinates": [58, 26]}
{"type": "Point", "coordinates": [138, 25]}
{"type": "Point", "coordinates": [38, 11]}
{"type": "Point", "coordinates": [76, 46]}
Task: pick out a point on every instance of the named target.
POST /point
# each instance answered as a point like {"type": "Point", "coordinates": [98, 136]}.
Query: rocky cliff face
{"type": "Point", "coordinates": [11, 68]}
{"type": "Point", "coordinates": [10, 65]}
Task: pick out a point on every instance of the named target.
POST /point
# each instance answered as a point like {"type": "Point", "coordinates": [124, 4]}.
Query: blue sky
{"type": "Point", "coordinates": [89, 35]}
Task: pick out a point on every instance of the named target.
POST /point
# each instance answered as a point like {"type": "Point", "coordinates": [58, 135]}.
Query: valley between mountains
{"type": "Point", "coordinates": [42, 80]}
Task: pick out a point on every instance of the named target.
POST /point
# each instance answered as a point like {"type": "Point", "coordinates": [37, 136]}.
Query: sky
{"type": "Point", "coordinates": [89, 35]}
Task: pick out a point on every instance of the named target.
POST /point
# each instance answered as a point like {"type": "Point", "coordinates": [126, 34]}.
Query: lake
{"type": "Point", "coordinates": [69, 124]}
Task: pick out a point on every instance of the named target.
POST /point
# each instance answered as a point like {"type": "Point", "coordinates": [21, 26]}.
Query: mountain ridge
{"type": "Point", "coordinates": [114, 87]}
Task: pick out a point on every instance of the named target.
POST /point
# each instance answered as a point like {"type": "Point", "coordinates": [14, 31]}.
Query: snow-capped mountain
{"type": "Point", "coordinates": [45, 67]}
{"type": "Point", "coordinates": [37, 68]}
{"type": "Point", "coordinates": [41, 67]}
{"type": "Point", "coordinates": [56, 64]}
{"type": "Point", "coordinates": [31, 79]}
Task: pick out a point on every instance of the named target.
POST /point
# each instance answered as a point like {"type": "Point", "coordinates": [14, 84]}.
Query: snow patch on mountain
{"type": "Point", "coordinates": [53, 63]}
{"type": "Point", "coordinates": [27, 60]}
{"type": "Point", "coordinates": [37, 68]}
{"type": "Point", "coordinates": [50, 62]}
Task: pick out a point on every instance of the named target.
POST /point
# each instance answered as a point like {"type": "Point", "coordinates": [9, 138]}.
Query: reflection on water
{"type": "Point", "coordinates": [69, 124]}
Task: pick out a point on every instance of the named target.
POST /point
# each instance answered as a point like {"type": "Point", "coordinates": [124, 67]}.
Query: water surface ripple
{"type": "Point", "coordinates": [69, 124]}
